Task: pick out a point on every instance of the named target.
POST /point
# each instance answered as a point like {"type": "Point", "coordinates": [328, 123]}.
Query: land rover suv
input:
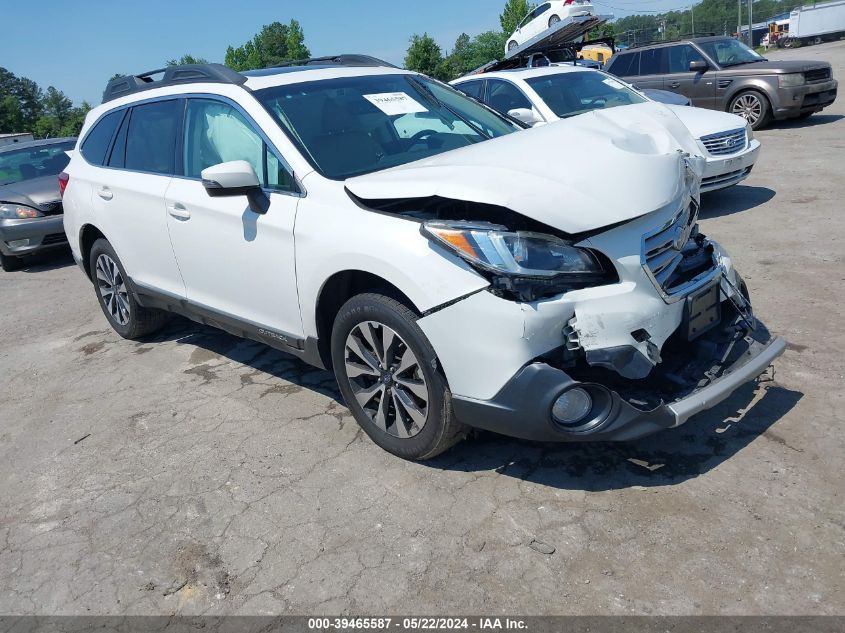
{"type": "Point", "coordinates": [722, 73]}
{"type": "Point", "coordinates": [379, 223]}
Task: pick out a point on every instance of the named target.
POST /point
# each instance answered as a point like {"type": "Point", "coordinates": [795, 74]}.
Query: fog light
{"type": "Point", "coordinates": [19, 243]}
{"type": "Point", "coordinates": [572, 406]}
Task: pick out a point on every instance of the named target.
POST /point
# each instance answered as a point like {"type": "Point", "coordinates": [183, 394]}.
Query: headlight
{"type": "Point", "coordinates": [791, 80]}
{"type": "Point", "coordinates": [18, 212]}
{"type": "Point", "coordinates": [519, 254]}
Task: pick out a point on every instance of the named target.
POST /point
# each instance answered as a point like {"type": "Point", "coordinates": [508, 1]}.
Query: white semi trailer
{"type": "Point", "coordinates": [816, 24]}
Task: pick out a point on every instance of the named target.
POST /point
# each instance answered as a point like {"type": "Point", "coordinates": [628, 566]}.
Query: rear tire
{"type": "Point", "coordinates": [127, 318]}
{"type": "Point", "coordinates": [388, 374]}
{"type": "Point", "coordinates": [10, 263]}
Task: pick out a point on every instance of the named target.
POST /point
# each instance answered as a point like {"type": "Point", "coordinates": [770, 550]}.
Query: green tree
{"type": "Point", "coordinates": [10, 115]}
{"type": "Point", "coordinates": [514, 12]}
{"type": "Point", "coordinates": [274, 44]}
{"type": "Point", "coordinates": [186, 59]}
{"type": "Point", "coordinates": [425, 56]}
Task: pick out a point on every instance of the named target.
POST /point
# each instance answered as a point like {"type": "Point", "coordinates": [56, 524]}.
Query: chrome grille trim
{"type": "Point", "coordinates": [724, 143]}
{"type": "Point", "coordinates": [661, 254]}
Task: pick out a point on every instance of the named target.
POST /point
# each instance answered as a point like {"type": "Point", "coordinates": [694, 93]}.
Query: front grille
{"type": "Point", "coordinates": [725, 142]}
{"type": "Point", "coordinates": [51, 208]}
{"type": "Point", "coordinates": [662, 249]}
{"type": "Point", "coordinates": [722, 179]}
{"type": "Point", "coordinates": [816, 75]}
{"type": "Point", "coordinates": [54, 238]}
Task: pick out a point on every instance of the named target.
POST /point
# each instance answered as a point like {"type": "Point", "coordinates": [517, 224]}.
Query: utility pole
{"type": "Point", "coordinates": [692, 14]}
{"type": "Point", "coordinates": [750, 23]}
{"type": "Point", "coordinates": [739, 19]}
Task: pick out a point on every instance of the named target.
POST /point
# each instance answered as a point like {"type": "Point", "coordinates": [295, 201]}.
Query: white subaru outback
{"type": "Point", "coordinates": [452, 274]}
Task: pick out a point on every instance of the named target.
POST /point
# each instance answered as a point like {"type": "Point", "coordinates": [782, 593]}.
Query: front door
{"type": "Point", "coordinates": [236, 263]}
{"type": "Point", "coordinates": [699, 87]}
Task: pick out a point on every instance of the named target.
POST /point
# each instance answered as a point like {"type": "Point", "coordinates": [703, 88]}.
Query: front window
{"type": "Point", "coordinates": [34, 162]}
{"type": "Point", "coordinates": [730, 52]}
{"type": "Point", "coordinates": [572, 93]}
{"type": "Point", "coordinates": [356, 125]}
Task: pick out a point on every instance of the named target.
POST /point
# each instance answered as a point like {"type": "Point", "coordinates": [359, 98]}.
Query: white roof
{"type": "Point", "coordinates": [529, 73]}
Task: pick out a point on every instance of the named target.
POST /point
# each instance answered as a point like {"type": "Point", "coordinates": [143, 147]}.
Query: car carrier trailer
{"type": "Point", "coordinates": [567, 30]}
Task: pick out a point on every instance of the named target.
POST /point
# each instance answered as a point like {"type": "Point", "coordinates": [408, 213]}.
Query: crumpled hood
{"type": "Point", "coordinates": [578, 174]}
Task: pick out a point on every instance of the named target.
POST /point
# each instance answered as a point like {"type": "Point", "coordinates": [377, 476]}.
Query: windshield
{"type": "Point", "coordinates": [33, 162]}
{"type": "Point", "coordinates": [572, 93]}
{"type": "Point", "coordinates": [730, 52]}
{"type": "Point", "coordinates": [356, 125]}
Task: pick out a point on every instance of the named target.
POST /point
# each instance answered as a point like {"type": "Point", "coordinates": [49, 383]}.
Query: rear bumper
{"type": "Point", "coordinates": [725, 171]}
{"type": "Point", "coordinates": [523, 407]}
{"type": "Point", "coordinates": [793, 102]}
{"type": "Point", "coordinates": [22, 237]}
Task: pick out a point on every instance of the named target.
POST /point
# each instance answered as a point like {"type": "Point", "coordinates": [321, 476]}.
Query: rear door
{"type": "Point", "coordinates": [235, 262]}
{"type": "Point", "coordinates": [652, 67]}
{"type": "Point", "coordinates": [128, 193]}
{"type": "Point", "coordinates": [699, 87]}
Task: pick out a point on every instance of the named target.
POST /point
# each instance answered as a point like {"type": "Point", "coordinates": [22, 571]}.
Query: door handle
{"type": "Point", "coordinates": [675, 84]}
{"type": "Point", "coordinates": [105, 193]}
{"type": "Point", "coordinates": [178, 211]}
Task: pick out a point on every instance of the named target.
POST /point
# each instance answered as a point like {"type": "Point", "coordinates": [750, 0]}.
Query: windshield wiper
{"type": "Point", "coordinates": [433, 98]}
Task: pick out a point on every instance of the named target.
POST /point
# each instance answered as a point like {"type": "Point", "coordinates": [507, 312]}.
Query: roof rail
{"type": "Point", "coordinates": [338, 60]}
{"type": "Point", "coordinates": [676, 39]}
{"type": "Point", "coordinates": [172, 75]}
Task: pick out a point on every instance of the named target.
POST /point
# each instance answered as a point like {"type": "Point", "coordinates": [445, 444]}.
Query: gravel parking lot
{"type": "Point", "coordinates": [198, 473]}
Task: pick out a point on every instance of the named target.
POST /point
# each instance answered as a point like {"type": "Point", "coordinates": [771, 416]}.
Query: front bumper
{"type": "Point", "coordinates": [792, 102]}
{"type": "Point", "coordinates": [23, 237]}
{"type": "Point", "coordinates": [523, 407]}
{"type": "Point", "coordinates": [721, 172]}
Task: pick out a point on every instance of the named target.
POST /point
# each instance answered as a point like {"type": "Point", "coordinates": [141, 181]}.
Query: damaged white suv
{"type": "Point", "coordinates": [380, 223]}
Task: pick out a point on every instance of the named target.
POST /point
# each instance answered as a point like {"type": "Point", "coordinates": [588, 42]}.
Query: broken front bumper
{"type": "Point", "coordinates": [523, 408]}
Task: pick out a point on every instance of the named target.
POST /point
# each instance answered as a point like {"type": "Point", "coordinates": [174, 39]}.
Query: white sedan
{"type": "Point", "coordinates": [541, 95]}
{"type": "Point", "coordinates": [544, 17]}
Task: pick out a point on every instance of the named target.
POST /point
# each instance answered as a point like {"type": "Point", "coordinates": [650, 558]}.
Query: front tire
{"type": "Point", "coordinates": [388, 374]}
{"type": "Point", "coordinates": [553, 20]}
{"type": "Point", "coordinates": [10, 263]}
{"type": "Point", "coordinates": [752, 106]}
{"type": "Point", "coordinates": [512, 45]}
{"type": "Point", "coordinates": [124, 314]}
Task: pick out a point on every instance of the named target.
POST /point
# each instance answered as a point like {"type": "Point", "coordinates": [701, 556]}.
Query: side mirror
{"type": "Point", "coordinates": [235, 178]}
{"type": "Point", "coordinates": [525, 115]}
{"type": "Point", "coordinates": [698, 66]}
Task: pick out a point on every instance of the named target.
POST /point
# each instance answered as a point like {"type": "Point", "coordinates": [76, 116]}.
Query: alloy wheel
{"type": "Point", "coordinates": [386, 379]}
{"type": "Point", "coordinates": [749, 107]}
{"type": "Point", "coordinates": [112, 288]}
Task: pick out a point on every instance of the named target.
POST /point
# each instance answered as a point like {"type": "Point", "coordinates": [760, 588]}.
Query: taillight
{"type": "Point", "coordinates": [63, 180]}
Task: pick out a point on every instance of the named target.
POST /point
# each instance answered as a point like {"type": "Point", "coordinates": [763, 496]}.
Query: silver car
{"type": "Point", "coordinates": [30, 199]}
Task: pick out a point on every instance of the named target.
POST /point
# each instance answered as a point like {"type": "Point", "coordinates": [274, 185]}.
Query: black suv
{"type": "Point", "coordinates": [722, 73]}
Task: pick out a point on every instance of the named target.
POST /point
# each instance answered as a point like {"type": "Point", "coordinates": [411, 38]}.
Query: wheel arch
{"type": "Point", "coordinates": [88, 234]}
{"type": "Point", "coordinates": [337, 290]}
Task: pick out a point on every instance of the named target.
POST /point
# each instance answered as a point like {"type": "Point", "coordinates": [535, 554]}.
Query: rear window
{"type": "Point", "coordinates": [33, 162]}
{"type": "Point", "coordinates": [471, 88]}
{"type": "Point", "coordinates": [650, 62]}
{"type": "Point", "coordinates": [151, 138]}
{"type": "Point", "coordinates": [96, 144]}
{"type": "Point", "coordinates": [625, 65]}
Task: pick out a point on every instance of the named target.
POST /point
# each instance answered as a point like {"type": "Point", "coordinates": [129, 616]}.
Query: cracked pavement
{"type": "Point", "coordinates": [196, 473]}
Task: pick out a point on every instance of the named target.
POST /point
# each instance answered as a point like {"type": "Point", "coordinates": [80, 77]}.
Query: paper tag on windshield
{"type": "Point", "coordinates": [392, 103]}
{"type": "Point", "coordinates": [613, 83]}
